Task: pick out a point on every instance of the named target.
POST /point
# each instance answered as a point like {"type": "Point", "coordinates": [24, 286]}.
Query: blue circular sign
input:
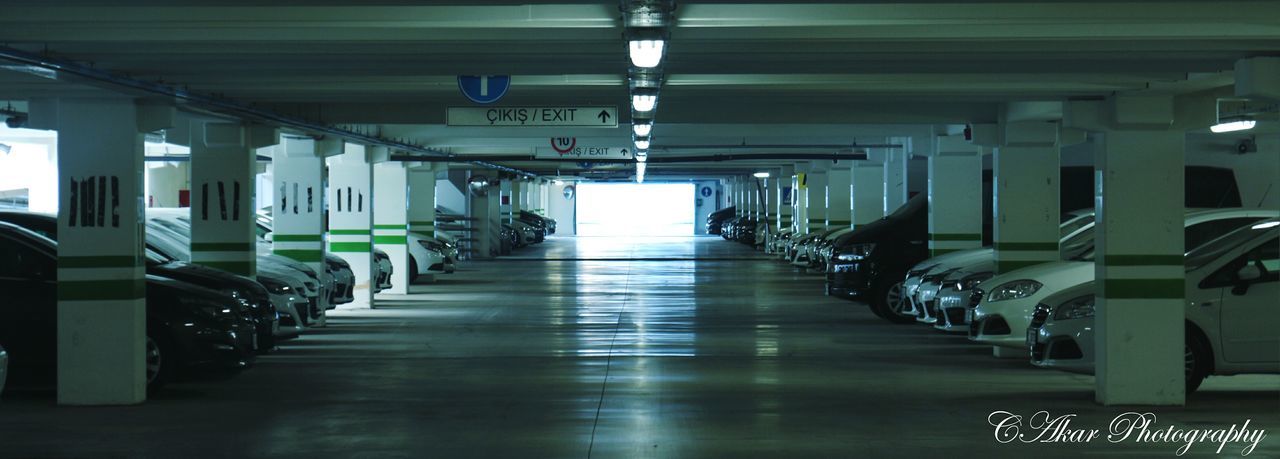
{"type": "Point", "coordinates": [484, 89]}
{"type": "Point", "coordinates": [706, 191]}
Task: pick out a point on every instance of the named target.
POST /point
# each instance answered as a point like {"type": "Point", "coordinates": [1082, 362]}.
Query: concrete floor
{"type": "Point", "coordinates": [577, 349]}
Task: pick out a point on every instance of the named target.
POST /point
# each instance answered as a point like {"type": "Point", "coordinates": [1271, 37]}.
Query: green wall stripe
{"type": "Point", "coordinates": [243, 268]}
{"type": "Point", "coordinates": [296, 237]}
{"type": "Point", "coordinates": [395, 240]}
{"type": "Point", "coordinates": [1004, 266]}
{"type": "Point", "coordinates": [104, 261]}
{"type": "Point", "coordinates": [223, 247]}
{"type": "Point", "coordinates": [305, 256]}
{"type": "Point", "coordinates": [350, 232]}
{"type": "Point", "coordinates": [399, 227]}
{"type": "Point", "coordinates": [348, 247]}
{"type": "Point", "coordinates": [100, 290]}
{"type": "Point", "coordinates": [1027, 246]}
{"type": "Point", "coordinates": [1142, 260]}
{"type": "Point", "coordinates": [1143, 288]}
{"type": "Point", "coordinates": [839, 222]}
{"type": "Point", "coordinates": [955, 236]}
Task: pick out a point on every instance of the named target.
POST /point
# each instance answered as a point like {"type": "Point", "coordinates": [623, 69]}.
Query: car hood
{"type": "Point", "coordinates": [203, 276]}
{"type": "Point", "coordinates": [956, 259]}
{"type": "Point", "coordinates": [1055, 276]}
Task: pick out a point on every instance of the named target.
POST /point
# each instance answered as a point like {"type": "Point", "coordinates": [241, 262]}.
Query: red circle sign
{"type": "Point", "coordinates": [568, 142]}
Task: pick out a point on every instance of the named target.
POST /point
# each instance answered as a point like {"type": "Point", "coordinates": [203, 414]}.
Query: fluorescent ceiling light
{"type": "Point", "coordinates": [643, 103]}
{"type": "Point", "coordinates": [761, 175]}
{"type": "Point", "coordinates": [1266, 225]}
{"type": "Point", "coordinates": [642, 156]}
{"type": "Point", "coordinates": [640, 172]}
{"type": "Point", "coordinates": [646, 53]}
{"type": "Point", "coordinates": [642, 144]}
{"type": "Point", "coordinates": [1232, 126]}
{"type": "Point", "coordinates": [642, 129]}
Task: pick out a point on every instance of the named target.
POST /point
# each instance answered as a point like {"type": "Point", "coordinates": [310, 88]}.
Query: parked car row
{"type": "Point", "coordinates": [198, 318]}
{"type": "Point", "coordinates": [527, 228]}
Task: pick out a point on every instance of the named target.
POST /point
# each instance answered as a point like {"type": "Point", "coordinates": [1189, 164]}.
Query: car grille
{"type": "Point", "coordinates": [954, 316]}
{"type": "Point", "coordinates": [1040, 316]}
{"type": "Point", "coordinates": [1065, 349]}
{"type": "Point", "coordinates": [996, 326]}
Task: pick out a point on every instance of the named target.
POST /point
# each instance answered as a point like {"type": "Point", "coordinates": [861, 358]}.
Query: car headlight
{"type": "Point", "coordinates": [276, 287]}
{"type": "Point", "coordinates": [208, 308]}
{"type": "Point", "coordinates": [1021, 288]}
{"type": "Point", "coordinates": [1077, 308]}
{"type": "Point", "coordinates": [856, 252]}
{"type": "Point", "coordinates": [431, 245]}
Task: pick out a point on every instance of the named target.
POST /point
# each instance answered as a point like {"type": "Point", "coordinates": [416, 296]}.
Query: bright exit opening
{"type": "Point", "coordinates": [630, 209]}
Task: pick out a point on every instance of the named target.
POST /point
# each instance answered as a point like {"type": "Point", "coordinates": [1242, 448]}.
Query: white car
{"type": "Point", "coordinates": [1006, 306]}
{"type": "Point", "coordinates": [1232, 286]}
{"type": "Point", "coordinates": [957, 265]}
{"type": "Point", "coordinates": [427, 256]}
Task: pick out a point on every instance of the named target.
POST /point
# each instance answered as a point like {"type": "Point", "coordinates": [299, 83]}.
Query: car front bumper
{"type": "Point", "coordinates": [1065, 345]}
{"type": "Point", "coordinates": [851, 280]}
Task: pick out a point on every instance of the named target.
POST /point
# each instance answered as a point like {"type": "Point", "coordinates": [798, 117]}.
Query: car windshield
{"type": "Point", "coordinates": [1211, 250]}
{"type": "Point", "coordinates": [173, 226]}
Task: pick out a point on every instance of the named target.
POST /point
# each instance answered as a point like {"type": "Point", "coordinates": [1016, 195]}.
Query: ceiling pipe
{"type": "Point", "coordinates": [229, 107]}
{"type": "Point", "coordinates": [672, 159]}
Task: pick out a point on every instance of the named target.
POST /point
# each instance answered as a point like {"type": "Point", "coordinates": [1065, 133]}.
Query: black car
{"type": "Point", "coordinates": [869, 263]}
{"type": "Point", "coordinates": [258, 313]}
{"type": "Point", "coordinates": [547, 224]}
{"type": "Point", "coordinates": [717, 219]}
{"type": "Point", "coordinates": [187, 326]}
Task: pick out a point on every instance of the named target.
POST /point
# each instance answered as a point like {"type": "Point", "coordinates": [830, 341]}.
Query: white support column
{"type": "Point", "coordinates": [1025, 172]}
{"type": "Point", "coordinates": [800, 187]}
{"type": "Point", "coordinates": [868, 191]}
{"type": "Point", "coordinates": [485, 210]}
{"type": "Point", "coordinates": [391, 222]}
{"type": "Point", "coordinates": [735, 196]}
{"type": "Point", "coordinates": [1139, 339]}
{"type": "Point", "coordinates": [223, 177]}
{"type": "Point", "coordinates": [297, 210]}
{"type": "Point", "coordinates": [955, 196]}
{"type": "Point", "coordinates": [895, 176]}
{"type": "Point", "coordinates": [99, 273]}
{"type": "Point", "coordinates": [507, 194]}
{"type": "Point", "coordinates": [785, 195]}
{"type": "Point", "coordinates": [351, 217]}
{"type": "Point", "coordinates": [520, 192]}
{"type": "Point", "coordinates": [771, 201]}
{"type": "Point", "coordinates": [422, 199]}
{"type": "Point", "coordinates": [816, 200]}
{"type": "Point", "coordinates": [839, 194]}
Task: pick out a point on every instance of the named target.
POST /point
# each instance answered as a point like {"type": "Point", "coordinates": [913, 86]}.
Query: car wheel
{"type": "Point", "coordinates": [160, 362]}
{"type": "Point", "coordinates": [413, 269]}
{"type": "Point", "coordinates": [1197, 358]}
{"type": "Point", "coordinates": [893, 304]}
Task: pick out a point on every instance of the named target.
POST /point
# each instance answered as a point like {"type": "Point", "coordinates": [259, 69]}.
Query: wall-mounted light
{"type": "Point", "coordinates": [642, 129]}
{"type": "Point", "coordinates": [646, 53]}
{"type": "Point", "coordinates": [1233, 126]}
{"type": "Point", "coordinates": [644, 102]}
{"type": "Point", "coordinates": [761, 175]}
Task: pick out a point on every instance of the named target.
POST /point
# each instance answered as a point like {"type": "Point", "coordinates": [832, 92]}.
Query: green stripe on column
{"type": "Point", "coordinates": [955, 237]}
{"type": "Point", "coordinates": [296, 237]}
{"type": "Point", "coordinates": [1004, 266]}
{"type": "Point", "coordinates": [394, 240]}
{"type": "Point", "coordinates": [305, 256]}
{"type": "Point", "coordinates": [423, 222]}
{"type": "Point", "coordinates": [1142, 260]}
{"type": "Point", "coordinates": [392, 227]}
{"type": "Point", "coordinates": [349, 232]}
{"type": "Point", "coordinates": [99, 290]}
{"type": "Point", "coordinates": [349, 247]}
{"type": "Point", "coordinates": [243, 268]}
{"type": "Point", "coordinates": [839, 222]}
{"type": "Point", "coordinates": [1026, 246]}
{"type": "Point", "coordinates": [222, 247]}
{"type": "Point", "coordinates": [105, 261]}
{"type": "Point", "coordinates": [1143, 288]}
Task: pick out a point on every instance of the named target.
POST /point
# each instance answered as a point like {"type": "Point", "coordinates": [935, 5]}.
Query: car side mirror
{"type": "Point", "coordinates": [1247, 274]}
{"type": "Point", "coordinates": [269, 236]}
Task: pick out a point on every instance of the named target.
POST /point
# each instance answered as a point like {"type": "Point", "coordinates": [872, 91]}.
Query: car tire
{"type": "Point", "coordinates": [160, 360]}
{"type": "Point", "coordinates": [1198, 358]}
{"type": "Point", "coordinates": [413, 269]}
{"type": "Point", "coordinates": [888, 304]}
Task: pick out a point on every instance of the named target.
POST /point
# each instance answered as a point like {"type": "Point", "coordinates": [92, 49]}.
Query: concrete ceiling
{"type": "Point", "coordinates": [738, 73]}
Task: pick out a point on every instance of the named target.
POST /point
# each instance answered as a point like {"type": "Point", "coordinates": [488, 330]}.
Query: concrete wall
{"type": "Point", "coordinates": [164, 181]}
{"type": "Point", "coordinates": [562, 210]}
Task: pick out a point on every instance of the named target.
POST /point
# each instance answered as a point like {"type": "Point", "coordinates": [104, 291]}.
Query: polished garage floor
{"type": "Point", "coordinates": [607, 348]}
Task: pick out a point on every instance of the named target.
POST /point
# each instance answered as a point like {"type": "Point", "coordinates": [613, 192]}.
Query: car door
{"type": "Point", "coordinates": [1250, 308]}
{"type": "Point", "coordinates": [28, 314]}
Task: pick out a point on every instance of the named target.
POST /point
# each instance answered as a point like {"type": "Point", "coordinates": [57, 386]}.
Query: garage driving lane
{"type": "Point", "coordinates": [594, 350]}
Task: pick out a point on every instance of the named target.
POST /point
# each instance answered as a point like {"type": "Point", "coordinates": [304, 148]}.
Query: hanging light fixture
{"type": "Point", "coordinates": [644, 102]}
{"type": "Point", "coordinates": [642, 143]}
{"type": "Point", "coordinates": [646, 53]}
{"type": "Point", "coordinates": [642, 129]}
